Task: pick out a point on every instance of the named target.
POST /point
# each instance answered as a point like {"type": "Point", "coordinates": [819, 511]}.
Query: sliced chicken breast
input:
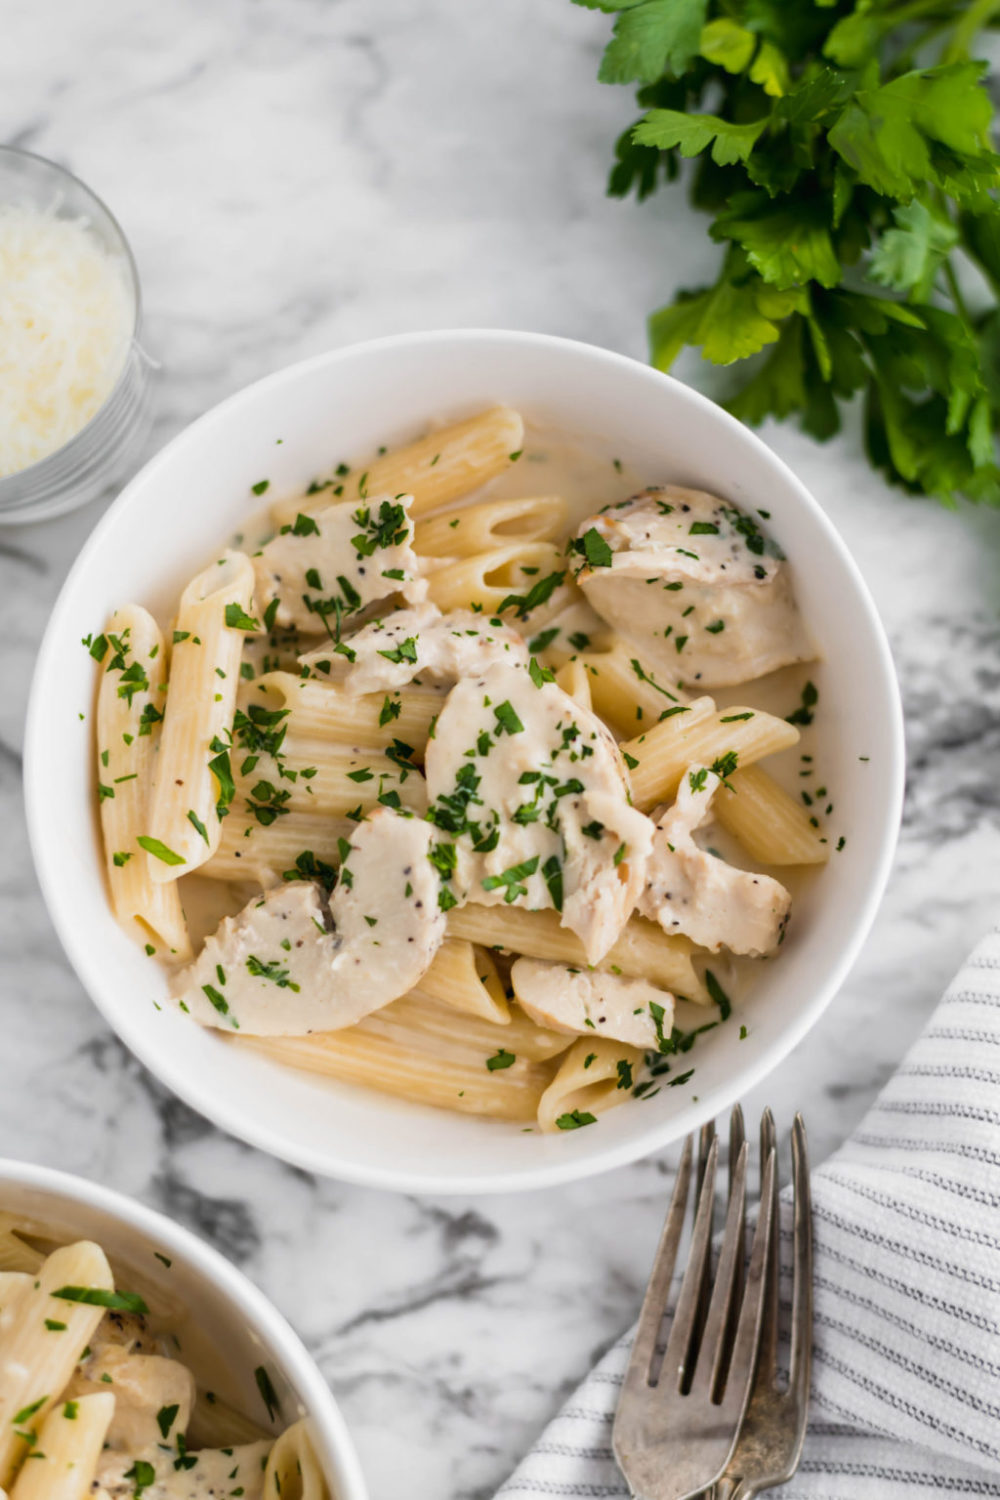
{"type": "Point", "coordinates": [586, 1002]}
{"type": "Point", "coordinates": [695, 584]}
{"type": "Point", "coordinates": [418, 643]}
{"type": "Point", "coordinates": [151, 1392]}
{"type": "Point", "coordinates": [288, 964]}
{"type": "Point", "coordinates": [528, 792]}
{"type": "Point", "coordinates": [209, 1474]}
{"type": "Point", "coordinates": [691, 891]}
{"type": "Point", "coordinates": [322, 569]}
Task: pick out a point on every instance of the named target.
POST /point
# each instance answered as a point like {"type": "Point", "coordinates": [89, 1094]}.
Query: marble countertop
{"type": "Point", "coordinates": [294, 175]}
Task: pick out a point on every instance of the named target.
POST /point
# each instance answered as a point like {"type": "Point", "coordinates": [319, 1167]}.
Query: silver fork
{"type": "Point", "coordinates": [774, 1427]}
{"type": "Point", "coordinates": [678, 1418]}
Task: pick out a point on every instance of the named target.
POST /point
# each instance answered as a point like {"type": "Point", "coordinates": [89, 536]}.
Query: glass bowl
{"type": "Point", "coordinates": [103, 450]}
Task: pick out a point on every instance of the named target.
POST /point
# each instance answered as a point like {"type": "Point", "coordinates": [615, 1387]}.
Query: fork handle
{"type": "Point", "coordinates": [730, 1489]}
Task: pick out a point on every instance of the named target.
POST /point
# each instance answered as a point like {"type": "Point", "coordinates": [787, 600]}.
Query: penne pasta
{"type": "Point", "coordinates": [318, 710]}
{"type": "Point", "coordinates": [61, 1464]}
{"type": "Point", "coordinates": [623, 691]}
{"type": "Point", "coordinates": [436, 469]}
{"type": "Point", "coordinates": [701, 735]}
{"type": "Point", "coordinates": [192, 764]}
{"type": "Point", "coordinates": [465, 977]}
{"type": "Point", "coordinates": [643, 950]}
{"type": "Point", "coordinates": [15, 1253]}
{"type": "Point", "coordinates": [39, 1360]}
{"type": "Point", "coordinates": [593, 1077]}
{"type": "Point", "coordinates": [430, 1054]}
{"type": "Point", "coordinates": [332, 780]}
{"type": "Point", "coordinates": [574, 679]}
{"type": "Point", "coordinates": [130, 701]}
{"type": "Point", "coordinates": [293, 1471]}
{"type": "Point", "coordinates": [491, 524]}
{"type": "Point", "coordinates": [250, 850]}
{"type": "Point", "coordinates": [770, 825]}
{"type": "Point", "coordinates": [487, 579]}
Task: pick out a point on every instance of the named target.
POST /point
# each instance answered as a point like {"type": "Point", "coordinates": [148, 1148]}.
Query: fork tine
{"type": "Point", "coordinates": [737, 1136]}
{"type": "Point", "coordinates": [741, 1368]}
{"type": "Point", "coordinates": [802, 1315]}
{"type": "Point", "coordinates": [714, 1342]}
{"type": "Point", "coordinates": [706, 1136]}
{"type": "Point", "coordinates": [655, 1301]}
{"type": "Point", "coordinates": [767, 1361]}
{"type": "Point", "coordinates": [679, 1358]}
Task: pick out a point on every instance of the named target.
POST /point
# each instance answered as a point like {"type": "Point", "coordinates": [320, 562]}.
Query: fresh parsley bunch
{"type": "Point", "coordinates": [843, 153]}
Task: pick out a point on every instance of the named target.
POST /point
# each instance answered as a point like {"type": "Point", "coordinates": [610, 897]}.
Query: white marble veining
{"type": "Point", "coordinates": [296, 174]}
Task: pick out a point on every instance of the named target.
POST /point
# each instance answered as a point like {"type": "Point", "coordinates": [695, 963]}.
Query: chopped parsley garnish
{"type": "Point", "coordinates": [302, 526]}
{"type": "Point", "coordinates": [719, 995]}
{"type": "Point", "coordinates": [507, 719]}
{"type": "Point", "coordinates": [196, 822]}
{"type": "Point", "coordinates": [644, 676]}
{"type": "Point", "coordinates": [272, 971]}
{"type": "Point", "coordinates": [510, 880]}
{"type": "Point", "coordinates": [703, 528]}
{"type": "Point", "coordinates": [540, 675]}
{"type": "Point", "coordinates": [552, 873]}
{"type": "Point", "coordinates": [308, 867]}
{"type": "Point", "coordinates": [98, 1296]}
{"type": "Point", "coordinates": [593, 548]}
{"type": "Point", "coordinates": [575, 1119]}
{"type": "Point", "coordinates": [389, 528]}
{"type": "Point", "coordinates": [804, 713]}
{"type": "Point", "coordinates": [159, 850]}
{"type": "Point", "coordinates": [501, 1059]}
{"type": "Point", "coordinates": [391, 709]}
{"type": "Point", "coordinates": [539, 593]}
{"type": "Point", "coordinates": [267, 1391]}
{"type": "Point", "coordinates": [405, 651]}
{"type": "Point", "coordinates": [238, 619]}
{"type": "Point", "coordinates": [261, 487]}
{"type": "Point", "coordinates": [624, 1068]}
{"type": "Point", "coordinates": [165, 1419]}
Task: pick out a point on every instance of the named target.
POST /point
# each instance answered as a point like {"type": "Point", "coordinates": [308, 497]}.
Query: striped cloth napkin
{"type": "Point", "coordinates": [906, 1361]}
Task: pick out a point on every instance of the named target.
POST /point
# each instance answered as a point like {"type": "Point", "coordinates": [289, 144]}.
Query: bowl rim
{"type": "Point", "coordinates": [36, 469]}
{"type": "Point", "coordinates": [226, 1280]}
{"type": "Point", "coordinates": [645, 1141]}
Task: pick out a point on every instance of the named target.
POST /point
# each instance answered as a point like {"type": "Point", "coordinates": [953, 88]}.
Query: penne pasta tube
{"type": "Point", "coordinates": [643, 950]}
{"type": "Point", "coordinates": [594, 1076]}
{"type": "Point", "coordinates": [39, 1359]}
{"type": "Point", "coordinates": [436, 469]}
{"type": "Point", "coordinates": [319, 710]}
{"type": "Point", "coordinates": [491, 524]}
{"type": "Point", "coordinates": [293, 1471]}
{"type": "Point", "coordinates": [192, 764]}
{"type": "Point", "coordinates": [702, 735]}
{"type": "Point", "coordinates": [770, 825]}
{"type": "Point", "coordinates": [12, 1284]}
{"type": "Point", "coordinates": [130, 701]}
{"type": "Point", "coordinates": [573, 678]}
{"type": "Point", "coordinates": [465, 978]}
{"type": "Point", "coordinates": [333, 780]}
{"type": "Point", "coordinates": [626, 693]}
{"type": "Point", "coordinates": [15, 1253]}
{"type": "Point", "coordinates": [62, 1463]}
{"type": "Point", "coordinates": [250, 850]}
{"type": "Point", "coordinates": [430, 1054]}
{"type": "Point", "coordinates": [489, 578]}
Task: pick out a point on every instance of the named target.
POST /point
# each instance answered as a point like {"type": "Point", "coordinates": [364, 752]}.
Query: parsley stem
{"type": "Point", "coordinates": [979, 14]}
{"type": "Point", "coordinates": [955, 290]}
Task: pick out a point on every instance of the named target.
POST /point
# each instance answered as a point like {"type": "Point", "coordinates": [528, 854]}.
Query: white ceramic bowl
{"type": "Point", "coordinates": [195, 493]}
{"type": "Point", "coordinates": [222, 1307]}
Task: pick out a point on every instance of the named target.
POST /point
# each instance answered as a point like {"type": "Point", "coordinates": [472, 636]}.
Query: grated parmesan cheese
{"type": "Point", "coordinates": [66, 317]}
